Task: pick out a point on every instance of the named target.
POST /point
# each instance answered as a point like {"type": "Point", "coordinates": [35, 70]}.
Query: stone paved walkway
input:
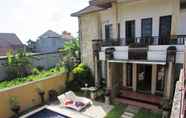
{"type": "Point", "coordinates": [130, 112]}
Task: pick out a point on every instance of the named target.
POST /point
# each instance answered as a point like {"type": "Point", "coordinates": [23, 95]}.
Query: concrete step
{"type": "Point", "coordinates": [150, 99]}
{"type": "Point", "coordinates": [138, 104]}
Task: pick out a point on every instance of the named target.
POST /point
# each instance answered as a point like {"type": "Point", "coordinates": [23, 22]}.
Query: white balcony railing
{"type": "Point", "coordinates": [154, 53]}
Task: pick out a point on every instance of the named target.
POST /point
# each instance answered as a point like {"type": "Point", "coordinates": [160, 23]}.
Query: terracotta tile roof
{"type": "Point", "coordinates": [67, 36]}
{"type": "Point", "coordinates": [89, 9]}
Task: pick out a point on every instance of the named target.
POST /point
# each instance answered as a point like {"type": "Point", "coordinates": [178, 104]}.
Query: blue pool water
{"type": "Point", "coordinates": [45, 113]}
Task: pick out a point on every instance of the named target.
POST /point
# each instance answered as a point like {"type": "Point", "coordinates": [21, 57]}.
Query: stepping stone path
{"type": "Point", "coordinates": [130, 112]}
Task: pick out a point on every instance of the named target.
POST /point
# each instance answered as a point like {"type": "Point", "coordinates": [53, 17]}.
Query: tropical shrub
{"type": "Point", "coordinates": [71, 56]}
{"type": "Point", "coordinates": [81, 76]}
{"type": "Point", "coordinates": [17, 65]}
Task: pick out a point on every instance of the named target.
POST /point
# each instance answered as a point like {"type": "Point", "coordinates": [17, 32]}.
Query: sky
{"type": "Point", "coordinates": [30, 18]}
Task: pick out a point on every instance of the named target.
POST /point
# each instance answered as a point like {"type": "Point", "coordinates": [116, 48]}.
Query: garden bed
{"type": "Point", "coordinates": [38, 76]}
{"type": "Point", "coordinates": [27, 94]}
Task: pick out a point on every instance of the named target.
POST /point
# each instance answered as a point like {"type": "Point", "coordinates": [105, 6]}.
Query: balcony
{"type": "Point", "coordinates": [141, 49]}
{"type": "Point", "coordinates": [144, 41]}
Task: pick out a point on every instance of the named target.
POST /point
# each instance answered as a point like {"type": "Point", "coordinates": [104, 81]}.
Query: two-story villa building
{"type": "Point", "coordinates": [136, 46]}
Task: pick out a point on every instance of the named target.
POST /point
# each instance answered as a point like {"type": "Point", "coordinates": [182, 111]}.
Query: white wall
{"type": "Point", "coordinates": [105, 18]}
{"type": "Point", "coordinates": [137, 10]}
{"type": "Point", "coordinates": [143, 9]}
{"type": "Point", "coordinates": [89, 31]}
{"type": "Point", "coordinates": [182, 25]}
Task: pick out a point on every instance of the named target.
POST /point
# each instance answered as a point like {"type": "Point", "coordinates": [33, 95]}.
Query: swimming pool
{"type": "Point", "coordinates": [46, 113]}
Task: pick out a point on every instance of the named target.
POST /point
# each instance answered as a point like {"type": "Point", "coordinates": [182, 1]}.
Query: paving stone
{"type": "Point", "coordinates": [132, 109]}
{"type": "Point", "coordinates": [129, 114]}
{"type": "Point", "coordinates": [123, 116]}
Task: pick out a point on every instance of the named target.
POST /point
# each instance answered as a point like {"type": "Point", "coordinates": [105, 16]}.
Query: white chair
{"type": "Point", "coordinates": [71, 96]}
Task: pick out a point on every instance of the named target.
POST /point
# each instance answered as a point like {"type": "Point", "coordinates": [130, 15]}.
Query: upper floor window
{"type": "Point", "coordinates": [108, 32]}
{"type": "Point", "coordinates": [183, 5]}
{"type": "Point", "coordinates": [130, 31]}
{"type": "Point", "coordinates": [118, 31]}
{"type": "Point", "coordinates": [146, 27]}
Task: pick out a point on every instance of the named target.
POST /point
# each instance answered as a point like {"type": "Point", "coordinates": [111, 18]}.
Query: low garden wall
{"type": "Point", "coordinates": [27, 93]}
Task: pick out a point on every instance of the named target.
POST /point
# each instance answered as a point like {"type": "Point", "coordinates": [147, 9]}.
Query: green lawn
{"type": "Point", "coordinates": [117, 111]}
{"type": "Point", "coordinates": [148, 114]}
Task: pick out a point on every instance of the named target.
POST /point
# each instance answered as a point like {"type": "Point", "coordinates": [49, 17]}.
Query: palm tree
{"type": "Point", "coordinates": [71, 55]}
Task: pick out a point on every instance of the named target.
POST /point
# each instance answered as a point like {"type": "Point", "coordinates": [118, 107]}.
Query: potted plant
{"type": "Point", "coordinates": [166, 106]}
{"type": "Point", "coordinates": [14, 105]}
{"type": "Point", "coordinates": [52, 95]}
{"type": "Point", "coordinates": [41, 93]}
{"type": "Point", "coordinates": [107, 96]}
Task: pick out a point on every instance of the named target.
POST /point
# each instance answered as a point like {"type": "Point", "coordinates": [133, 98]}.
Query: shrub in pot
{"type": "Point", "coordinates": [52, 95]}
{"type": "Point", "coordinates": [166, 106]}
{"type": "Point", "coordinates": [14, 105]}
{"type": "Point", "coordinates": [82, 75]}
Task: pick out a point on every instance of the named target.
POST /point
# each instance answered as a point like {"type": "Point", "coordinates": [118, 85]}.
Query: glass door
{"type": "Point", "coordinates": [165, 29]}
{"type": "Point", "coordinates": [130, 32]}
{"type": "Point", "coordinates": [146, 31]}
{"type": "Point", "coordinates": [144, 78]}
{"type": "Point", "coordinates": [129, 75]}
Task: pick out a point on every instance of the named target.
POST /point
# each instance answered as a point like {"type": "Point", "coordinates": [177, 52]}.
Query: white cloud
{"type": "Point", "coordinates": [30, 18]}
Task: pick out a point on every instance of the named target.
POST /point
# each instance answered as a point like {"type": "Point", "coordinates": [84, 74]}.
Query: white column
{"type": "Point", "coordinates": [96, 71]}
{"type": "Point", "coordinates": [169, 81]}
{"type": "Point", "coordinates": [154, 79]}
{"type": "Point", "coordinates": [125, 75]}
{"type": "Point", "coordinates": [134, 77]}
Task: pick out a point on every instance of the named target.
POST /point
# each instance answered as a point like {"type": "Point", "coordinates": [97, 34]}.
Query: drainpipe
{"type": "Point", "coordinates": [80, 37]}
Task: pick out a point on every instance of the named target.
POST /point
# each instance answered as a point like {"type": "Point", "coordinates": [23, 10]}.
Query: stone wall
{"type": "Point", "coordinates": [89, 28]}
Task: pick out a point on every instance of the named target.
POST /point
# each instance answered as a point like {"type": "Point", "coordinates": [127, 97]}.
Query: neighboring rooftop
{"type": "Point", "coordinates": [50, 34]}
{"type": "Point", "coordinates": [67, 36]}
{"type": "Point", "coordinates": [89, 9]}
{"type": "Point", "coordinates": [9, 41]}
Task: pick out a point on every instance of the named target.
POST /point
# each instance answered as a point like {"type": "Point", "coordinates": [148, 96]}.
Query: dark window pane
{"type": "Point", "coordinates": [147, 27]}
